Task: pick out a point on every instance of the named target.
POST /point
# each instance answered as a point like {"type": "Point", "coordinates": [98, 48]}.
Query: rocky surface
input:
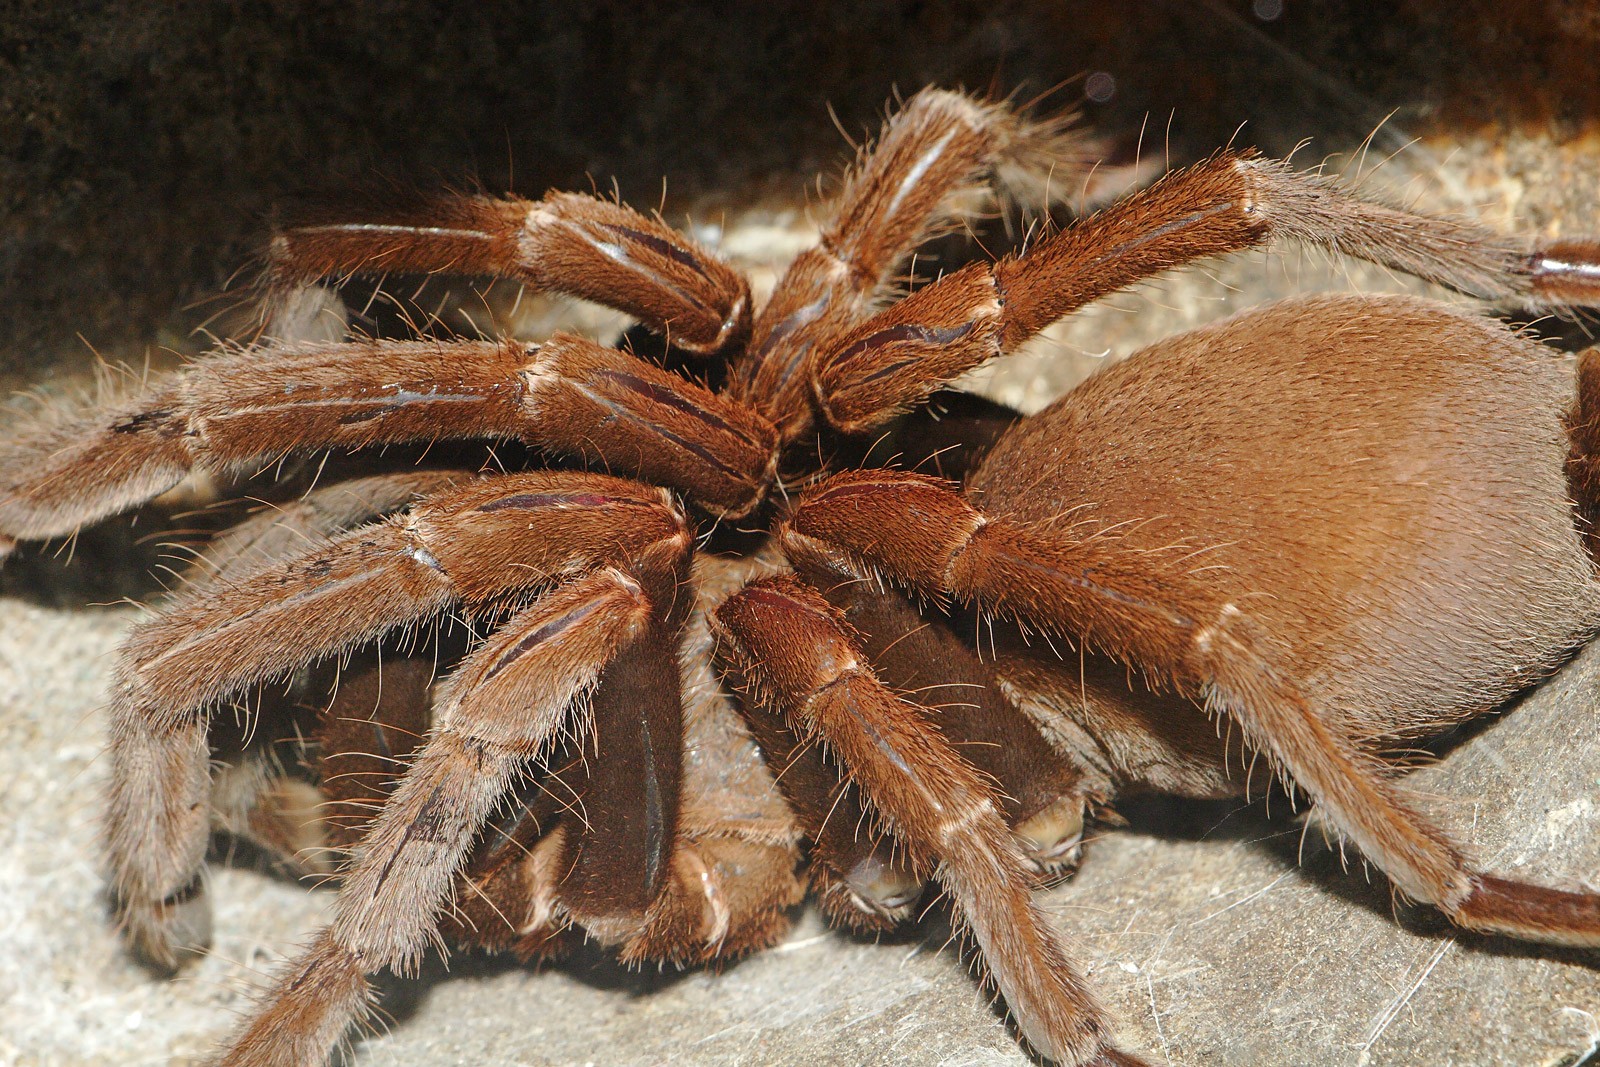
{"type": "Point", "coordinates": [1201, 930]}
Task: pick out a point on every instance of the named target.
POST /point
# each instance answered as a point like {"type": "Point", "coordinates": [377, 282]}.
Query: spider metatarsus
{"type": "Point", "coordinates": [1336, 523]}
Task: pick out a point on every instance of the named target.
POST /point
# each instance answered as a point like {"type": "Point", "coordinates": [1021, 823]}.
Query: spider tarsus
{"type": "Point", "coordinates": [1107, 1056]}
{"type": "Point", "coordinates": [1052, 839]}
{"type": "Point", "coordinates": [1531, 912]}
{"type": "Point", "coordinates": [168, 935]}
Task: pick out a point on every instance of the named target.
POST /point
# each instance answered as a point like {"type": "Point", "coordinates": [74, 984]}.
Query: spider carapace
{"type": "Point", "coordinates": [1339, 523]}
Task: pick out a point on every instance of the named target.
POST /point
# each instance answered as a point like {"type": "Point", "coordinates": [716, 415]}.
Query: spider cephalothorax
{"type": "Point", "coordinates": [1340, 523]}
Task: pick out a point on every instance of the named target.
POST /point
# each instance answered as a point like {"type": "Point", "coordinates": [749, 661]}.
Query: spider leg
{"type": "Point", "coordinates": [798, 654]}
{"type": "Point", "coordinates": [926, 171]}
{"type": "Point", "coordinates": [923, 533]}
{"type": "Point", "coordinates": [378, 715]}
{"type": "Point", "coordinates": [282, 530]}
{"type": "Point", "coordinates": [482, 543]}
{"type": "Point", "coordinates": [569, 243]}
{"type": "Point", "coordinates": [1233, 201]}
{"type": "Point", "coordinates": [1122, 735]}
{"type": "Point", "coordinates": [70, 469]}
{"type": "Point", "coordinates": [1583, 459]}
{"type": "Point", "coordinates": [862, 882]}
{"type": "Point", "coordinates": [506, 704]}
{"type": "Point", "coordinates": [716, 893]}
{"type": "Point", "coordinates": [241, 410]}
{"type": "Point", "coordinates": [731, 876]}
{"type": "Point", "coordinates": [255, 800]}
{"type": "Point", "coordinates": [371, 710]}
{"type": "Point", "coordinates": [1041, 796]}
{"type": "Point", "coordinates": [302, 791]}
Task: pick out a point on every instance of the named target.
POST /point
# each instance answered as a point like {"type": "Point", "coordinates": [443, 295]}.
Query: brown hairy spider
{"type": "Point", "coordinates": [1337, 523]}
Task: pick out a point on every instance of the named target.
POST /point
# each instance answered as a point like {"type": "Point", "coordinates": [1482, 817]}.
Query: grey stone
{"type": "Point", "coordinates": [1202, 933]}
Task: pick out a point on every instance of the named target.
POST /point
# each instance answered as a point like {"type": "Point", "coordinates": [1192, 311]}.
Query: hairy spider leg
{"type": "Point", "coordinates": [244, 409]}
{"type": "Point", "coordinates": [862, 881]}
{"type": "Point", "coordinates": [253, 795]}
{"type": "Point", "coordinates": [1228, 203]}
{"type": "Point", "coordinates": [799, 656]}
{"type": "Point", "coordinates": [1143, 606]}
{"type": "Point", "coordinates": [483, 544]}
{"type": "Point", "coordinates": [927, 171]}
{"type": "Point", "coordinates": [505, 705]}
{"type": "Point", "coordinates": [278, 531]}
{"type": "Point", "coordinates": [1583, 462]}
{"type": "Point", "coordinates": [731, 877]}
{"type": "Point", "coordinates": [590, 840]}
{"type": "Point", "coordinates": [1039, 791]}
{"type": "Point", "coordinates": [580, 245]}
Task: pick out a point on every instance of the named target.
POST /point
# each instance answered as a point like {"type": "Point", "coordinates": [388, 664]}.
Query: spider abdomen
{"type": "Point", "coordinates": [1377, 483]}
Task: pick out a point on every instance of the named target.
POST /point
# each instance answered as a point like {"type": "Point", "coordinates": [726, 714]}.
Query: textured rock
{"type": "Point", "coordinates": [1197, 926]}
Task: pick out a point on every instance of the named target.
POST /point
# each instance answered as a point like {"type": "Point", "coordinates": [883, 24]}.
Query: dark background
{"type": "Point", "coordinates": [142, 147]}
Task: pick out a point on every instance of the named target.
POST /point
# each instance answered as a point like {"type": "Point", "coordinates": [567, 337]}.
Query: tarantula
{"type": "Point", "coordinates": [1337, 523]}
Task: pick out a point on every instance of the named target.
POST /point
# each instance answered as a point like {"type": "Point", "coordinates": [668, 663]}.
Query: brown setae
{"type": "Point", "coordinates": [711, 654]}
